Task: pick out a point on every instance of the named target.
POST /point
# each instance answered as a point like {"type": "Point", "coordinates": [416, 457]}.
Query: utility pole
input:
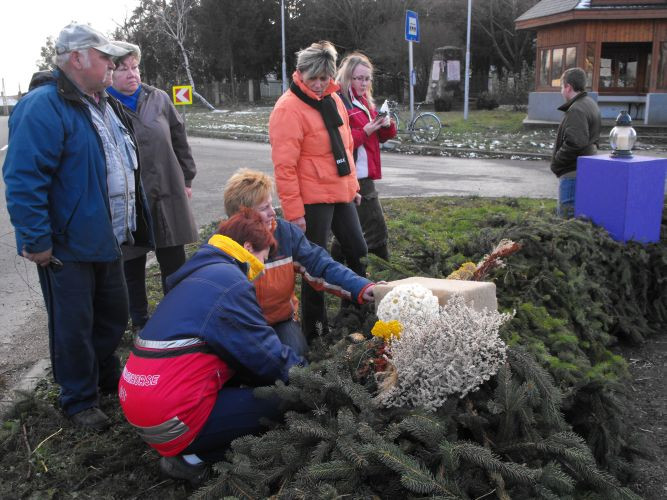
{"type": "Point", "coordinates": [467, 81]}
{"type": "Point", "coordinates": [4, 99]}
{"type": "Point", "coordinates": [282, 26]}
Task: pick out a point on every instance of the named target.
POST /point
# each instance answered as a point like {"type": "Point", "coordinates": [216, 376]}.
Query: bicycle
{"type": "Point", "coordinates": [425, 127]}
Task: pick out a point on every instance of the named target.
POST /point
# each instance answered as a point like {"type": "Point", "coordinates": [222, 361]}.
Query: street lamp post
{"type": "Point", "coordinates": [282, 27]}
{"type": "Point", "coordinates": [467, 75]}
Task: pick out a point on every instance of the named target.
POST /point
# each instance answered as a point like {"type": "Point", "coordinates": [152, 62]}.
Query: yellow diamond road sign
{"type": "Point", "coordinates": [182, 94]}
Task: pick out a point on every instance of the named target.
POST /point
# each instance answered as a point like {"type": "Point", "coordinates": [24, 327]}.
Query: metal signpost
{"type": "Point", "coordinates": [282, 31]}
{"type": "Point", "coordinates": [467, 80]}
{"type": "Point", "coordinates": [411, 35]}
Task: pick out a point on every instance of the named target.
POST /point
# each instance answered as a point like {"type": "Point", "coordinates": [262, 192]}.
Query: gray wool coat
{"type": "Point", "coordinates": [167, 167]}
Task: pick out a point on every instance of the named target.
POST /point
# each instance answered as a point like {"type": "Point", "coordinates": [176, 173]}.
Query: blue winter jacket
{"type": "Point", "coordinates": [211, 298]}
{"type": "Point", "coordinates": [55, 176]}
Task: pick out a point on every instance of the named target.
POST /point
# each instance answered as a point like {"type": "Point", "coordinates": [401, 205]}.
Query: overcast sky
{"type": "Point", "coordinates": [27, 23]}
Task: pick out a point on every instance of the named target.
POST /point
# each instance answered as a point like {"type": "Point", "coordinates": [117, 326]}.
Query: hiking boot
{"type": "Point", "coordinates": [177, 468]}
{"type": "Point", "coordinates": [91, 418]}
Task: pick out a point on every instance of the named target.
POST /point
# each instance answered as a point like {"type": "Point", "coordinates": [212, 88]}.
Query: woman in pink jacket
{"type": "Point", "coordinates": [369, 129]}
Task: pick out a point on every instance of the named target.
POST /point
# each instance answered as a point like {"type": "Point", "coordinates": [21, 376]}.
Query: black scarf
{"type": "Point", "coordinates": [332, 120]}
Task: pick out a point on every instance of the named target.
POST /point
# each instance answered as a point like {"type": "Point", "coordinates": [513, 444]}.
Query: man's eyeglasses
{"type": "Point", "coordinates": [363, 78]}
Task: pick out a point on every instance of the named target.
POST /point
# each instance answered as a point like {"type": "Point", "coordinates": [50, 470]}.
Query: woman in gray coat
{"type": "Point", "coordinates": [167, 170]}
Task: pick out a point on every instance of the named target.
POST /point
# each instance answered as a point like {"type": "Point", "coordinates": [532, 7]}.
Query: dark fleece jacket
{"type": "Point", "coordinates": [578, 133]}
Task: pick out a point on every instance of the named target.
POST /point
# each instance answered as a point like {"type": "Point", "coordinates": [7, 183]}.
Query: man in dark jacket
{"type": "Point", "coordinates": [74, 196]}
{"type": "Point", "coordinates": [578, 135]}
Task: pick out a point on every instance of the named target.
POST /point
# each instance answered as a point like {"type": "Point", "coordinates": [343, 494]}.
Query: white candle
{"type": "Point", "coordinates": [623, 142]}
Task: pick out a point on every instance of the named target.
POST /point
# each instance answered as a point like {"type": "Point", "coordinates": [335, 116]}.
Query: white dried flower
{"type": "Point", "coordinates": [452, 351]}
{"type": "Point", "coordinates": [407, 302]}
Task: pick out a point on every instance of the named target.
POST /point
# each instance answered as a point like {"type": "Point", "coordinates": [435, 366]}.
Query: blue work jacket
{"type": "Point", "coordinates": [56, 179]}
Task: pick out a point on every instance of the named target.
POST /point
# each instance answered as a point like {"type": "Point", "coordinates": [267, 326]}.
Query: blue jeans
{"type": "Point", "coordinates": [289, 333]}
{"type": "Point", "coordinates": [566, 190]}
{"type": "Point", "coordinates": [237, 412]}
{"type": "Point", "coordinates": [86, 303]}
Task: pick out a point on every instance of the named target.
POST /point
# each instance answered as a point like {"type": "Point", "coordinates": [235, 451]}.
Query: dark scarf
{"type": "Point", "coordinates": [332, 120]}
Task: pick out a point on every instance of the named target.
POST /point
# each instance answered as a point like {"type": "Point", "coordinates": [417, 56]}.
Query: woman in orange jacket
{"type": "Point", "coordinates": [311, 148]}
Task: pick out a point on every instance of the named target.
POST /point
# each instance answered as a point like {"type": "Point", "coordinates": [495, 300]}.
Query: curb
{"type": "Point", "coordinates": [25, 386]}
{"type": "Point", "coordinates": [398, 147]}
{"type": "Point", "coordinates": [219, 134]}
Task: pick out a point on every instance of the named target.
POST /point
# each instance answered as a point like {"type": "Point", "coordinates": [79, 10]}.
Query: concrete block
{"type": "Point", "coordinates": [623, 195]}
{"type": "Point", "coordinates": [479, 295]}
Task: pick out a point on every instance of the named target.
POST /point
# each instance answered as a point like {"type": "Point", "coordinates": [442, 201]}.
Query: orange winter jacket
{"type": "Point", "coordinates": [303, 163]}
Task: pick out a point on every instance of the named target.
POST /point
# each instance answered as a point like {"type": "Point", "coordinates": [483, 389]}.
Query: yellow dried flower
{"type": "Point", "coordinates": [387, 330]}
{"type": "Point", "coordinates": [465, 272]}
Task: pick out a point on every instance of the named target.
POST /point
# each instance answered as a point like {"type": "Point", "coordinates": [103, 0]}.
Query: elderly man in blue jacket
{"type": "Point", "coordinates": [74, 196]}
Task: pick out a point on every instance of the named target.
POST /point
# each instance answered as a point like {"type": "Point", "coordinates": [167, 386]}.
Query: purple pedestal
{"type": "Point", "coordinates": [625, 196]}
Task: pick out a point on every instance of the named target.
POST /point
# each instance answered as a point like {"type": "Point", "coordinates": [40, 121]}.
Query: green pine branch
{"type": "Point", "coordinates": [414, 477]}
{"type": "Point", "coordinates": [485, 459]}
{"type": "Point", "coordinates": [426, 427]}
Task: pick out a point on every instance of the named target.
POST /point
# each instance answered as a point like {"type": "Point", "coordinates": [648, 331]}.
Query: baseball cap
{"type": "Point", "coordinates": [81, 36]}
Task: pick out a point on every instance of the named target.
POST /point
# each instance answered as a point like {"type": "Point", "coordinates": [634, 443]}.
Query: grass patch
{"type": "Point", "coordinates": [479, 121]}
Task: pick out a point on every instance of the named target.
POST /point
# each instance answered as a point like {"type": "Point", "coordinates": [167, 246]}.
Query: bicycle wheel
{"type": "Point", "coordinates": [426, 128]}
{"type": "Point", "coordinates": [394, 116]}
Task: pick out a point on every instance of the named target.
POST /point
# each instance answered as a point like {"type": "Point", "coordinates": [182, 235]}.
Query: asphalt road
{"type": "Point", "coordinates": [23, 337]}
{"type": "Point", "coordinates": [403, 175]}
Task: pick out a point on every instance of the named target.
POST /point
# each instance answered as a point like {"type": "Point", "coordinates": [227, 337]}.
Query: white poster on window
{"type": "Point", "coordinates": [453, 71]}
{"type": "Point", "coordinates": [435, 71]}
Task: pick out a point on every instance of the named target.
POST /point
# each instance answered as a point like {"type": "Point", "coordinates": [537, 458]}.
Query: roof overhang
{"type": "Point", "coordinates": [591, 15]}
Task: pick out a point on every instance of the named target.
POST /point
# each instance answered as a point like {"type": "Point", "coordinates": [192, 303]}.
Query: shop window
{"type": "Point", "coordinates": [589, 64]}
{"type": "Point", "coordinates": [553, 61]}
{"type": "Point", "coordinates": [624, 67]}
{"type": "Point", "coordinates": [545, 67]}
{"type": "Point", "coordinates": [556, 67]}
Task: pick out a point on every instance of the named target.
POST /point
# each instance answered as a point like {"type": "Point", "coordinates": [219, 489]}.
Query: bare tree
{"type": "Point", "coordinates": [495, 18]}
{"type": "Point", "coordinates": [173, 21]}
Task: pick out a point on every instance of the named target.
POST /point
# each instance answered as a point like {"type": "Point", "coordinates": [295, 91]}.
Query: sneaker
{"type": "Point", "coordinates": [91, 418]}
{"type": "Point", "coordinates": [177, 468]}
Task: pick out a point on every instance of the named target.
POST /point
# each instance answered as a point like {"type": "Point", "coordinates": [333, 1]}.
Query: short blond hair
{"type": "Point", "coordinates": [246, 188]}
{"type": "Point", "coordinates": [318, 59]}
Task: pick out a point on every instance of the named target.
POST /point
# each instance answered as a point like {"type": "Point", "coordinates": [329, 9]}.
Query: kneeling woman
{"type": "Point", "coordinates": [206, 330]}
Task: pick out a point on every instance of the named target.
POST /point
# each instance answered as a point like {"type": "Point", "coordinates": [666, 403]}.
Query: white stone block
{"type": "Point", "coordinates": [479, 295]}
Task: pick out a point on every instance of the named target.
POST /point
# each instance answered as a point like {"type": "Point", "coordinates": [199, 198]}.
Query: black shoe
{"type": "Point", "coordinates": [177, 468]}
{"type": "Point", "coordinates": [91, 418]}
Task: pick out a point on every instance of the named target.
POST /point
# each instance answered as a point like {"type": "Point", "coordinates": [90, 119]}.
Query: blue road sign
{"type": "Point", "coordinates": [411, 26]}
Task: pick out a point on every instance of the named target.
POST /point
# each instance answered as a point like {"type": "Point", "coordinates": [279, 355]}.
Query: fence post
{"type": "Point", "coordinates": [216, 92]}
